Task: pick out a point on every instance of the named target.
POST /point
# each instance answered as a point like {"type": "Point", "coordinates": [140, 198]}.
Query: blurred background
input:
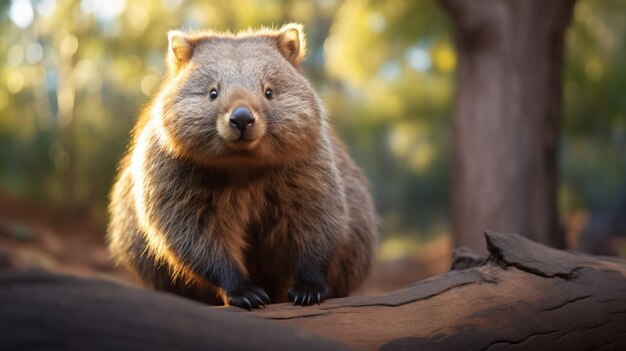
{"type": "Point", "coordinates": [74, 74]}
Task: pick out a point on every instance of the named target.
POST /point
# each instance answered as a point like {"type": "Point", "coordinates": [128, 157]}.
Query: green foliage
{"type": "Point", "coordinates": [393, 65]}
{"type": "Point", "coordinates": [77, 73]}
{"type": "Point", "coordinates": [594, 122]}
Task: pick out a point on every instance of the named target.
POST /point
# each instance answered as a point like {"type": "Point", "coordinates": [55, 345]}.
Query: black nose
{"type": "Point", "coordinates": [241, 118]}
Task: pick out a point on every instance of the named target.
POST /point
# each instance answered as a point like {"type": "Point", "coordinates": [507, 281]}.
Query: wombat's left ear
{"type": "Point", "coordinates": [291, 43]}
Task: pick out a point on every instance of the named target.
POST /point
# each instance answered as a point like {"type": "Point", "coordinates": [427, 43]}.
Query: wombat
{"type": "Point", "coordinates": [235, 190]}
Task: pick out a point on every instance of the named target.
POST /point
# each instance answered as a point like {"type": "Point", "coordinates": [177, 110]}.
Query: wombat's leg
{"type": "Point", "coordinates": [158, 276]}
{"type": "Point", "coordinates": [205, 255]}
{"type": "Point", "coordinates": [316, 221]}
{"type": "Point", "coordinates": [185, 230]}
{"type": "Point", "coordinates": [215, 265]}
{"type": "Point", "coordinates": [314, 239]}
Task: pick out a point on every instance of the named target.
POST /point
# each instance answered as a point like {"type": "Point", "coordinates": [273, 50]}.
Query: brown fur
{"type": "Point", "coordinates": [201, 210]}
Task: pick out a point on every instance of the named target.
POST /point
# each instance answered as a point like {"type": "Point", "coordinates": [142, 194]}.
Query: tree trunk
{"type": "Point", "coordinates": [506, 121]}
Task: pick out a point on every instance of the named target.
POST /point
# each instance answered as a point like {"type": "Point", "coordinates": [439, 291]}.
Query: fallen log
{"type": "Point", "coordinates": [523, 296]}
{"type": "Point", "coordinates": [45, 311]}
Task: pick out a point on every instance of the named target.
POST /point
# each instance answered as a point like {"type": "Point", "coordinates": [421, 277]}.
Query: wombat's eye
{"type": "Point", "coordinates": [213, 94]}
{"type": "Point", "coordinates": [269, 94]}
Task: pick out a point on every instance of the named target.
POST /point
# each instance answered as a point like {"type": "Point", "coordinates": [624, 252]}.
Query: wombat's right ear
{"type": "Point", "coordinates": [180, 49]}
{"type": "Point", "coordinates": [291, 43]}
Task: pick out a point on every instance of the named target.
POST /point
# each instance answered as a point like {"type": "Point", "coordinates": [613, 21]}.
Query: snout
{"type": "Point", "coordinates": [241, 119]}
{"type": "Point", "coordinates": [242, 126]}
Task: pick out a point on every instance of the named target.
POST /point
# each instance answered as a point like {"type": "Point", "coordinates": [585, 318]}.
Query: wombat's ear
{"type": "Point", "coordinates": [291, 43]}
{"type": "Point", "coordinates": [180, 49]}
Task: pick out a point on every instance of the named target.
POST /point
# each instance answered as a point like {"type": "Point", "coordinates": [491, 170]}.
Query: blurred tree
{"type": "Point", "coordinates": [506, 122]}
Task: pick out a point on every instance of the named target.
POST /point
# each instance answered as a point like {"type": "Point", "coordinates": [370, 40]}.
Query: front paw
{"type": "Point", "coordinates": [248, 296]}
{"type": "Point", "coordinates": [306, 294]}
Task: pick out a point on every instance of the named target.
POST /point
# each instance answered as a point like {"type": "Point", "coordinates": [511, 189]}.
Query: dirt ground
{"type": "Point", "coordinates": [32, 236]}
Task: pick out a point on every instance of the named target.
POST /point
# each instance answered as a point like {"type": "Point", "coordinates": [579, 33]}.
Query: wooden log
{"type": "Point", "coordinates": [44, 311]}
{"type": "Point", "coordinates": [524, 296]}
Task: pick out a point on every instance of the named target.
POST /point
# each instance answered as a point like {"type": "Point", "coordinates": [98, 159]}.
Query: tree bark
{"type": "Point", "coordinates": [506, 122]}
{"type": "Point", "coordinates": [524, 296]}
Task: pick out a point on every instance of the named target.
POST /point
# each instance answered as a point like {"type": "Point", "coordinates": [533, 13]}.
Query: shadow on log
{"type": "Point", "coordinates": [524, 296]}
{"type": "Point", "coordinates": [44, 311]}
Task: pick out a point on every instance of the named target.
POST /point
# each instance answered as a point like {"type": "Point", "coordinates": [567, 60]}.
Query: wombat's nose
{"type": "Point", "coordinates": [241, 118]}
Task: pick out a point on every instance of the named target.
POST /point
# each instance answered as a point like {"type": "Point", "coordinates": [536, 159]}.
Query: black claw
{"type": "Point", "coordinates": [306, 294]}
{"type": "Point", "coordinates": [265, 297]}
{"type": "Point", "coordinates": [245, 299]}
{"type": "Point", "coordinates": [258, 301]}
